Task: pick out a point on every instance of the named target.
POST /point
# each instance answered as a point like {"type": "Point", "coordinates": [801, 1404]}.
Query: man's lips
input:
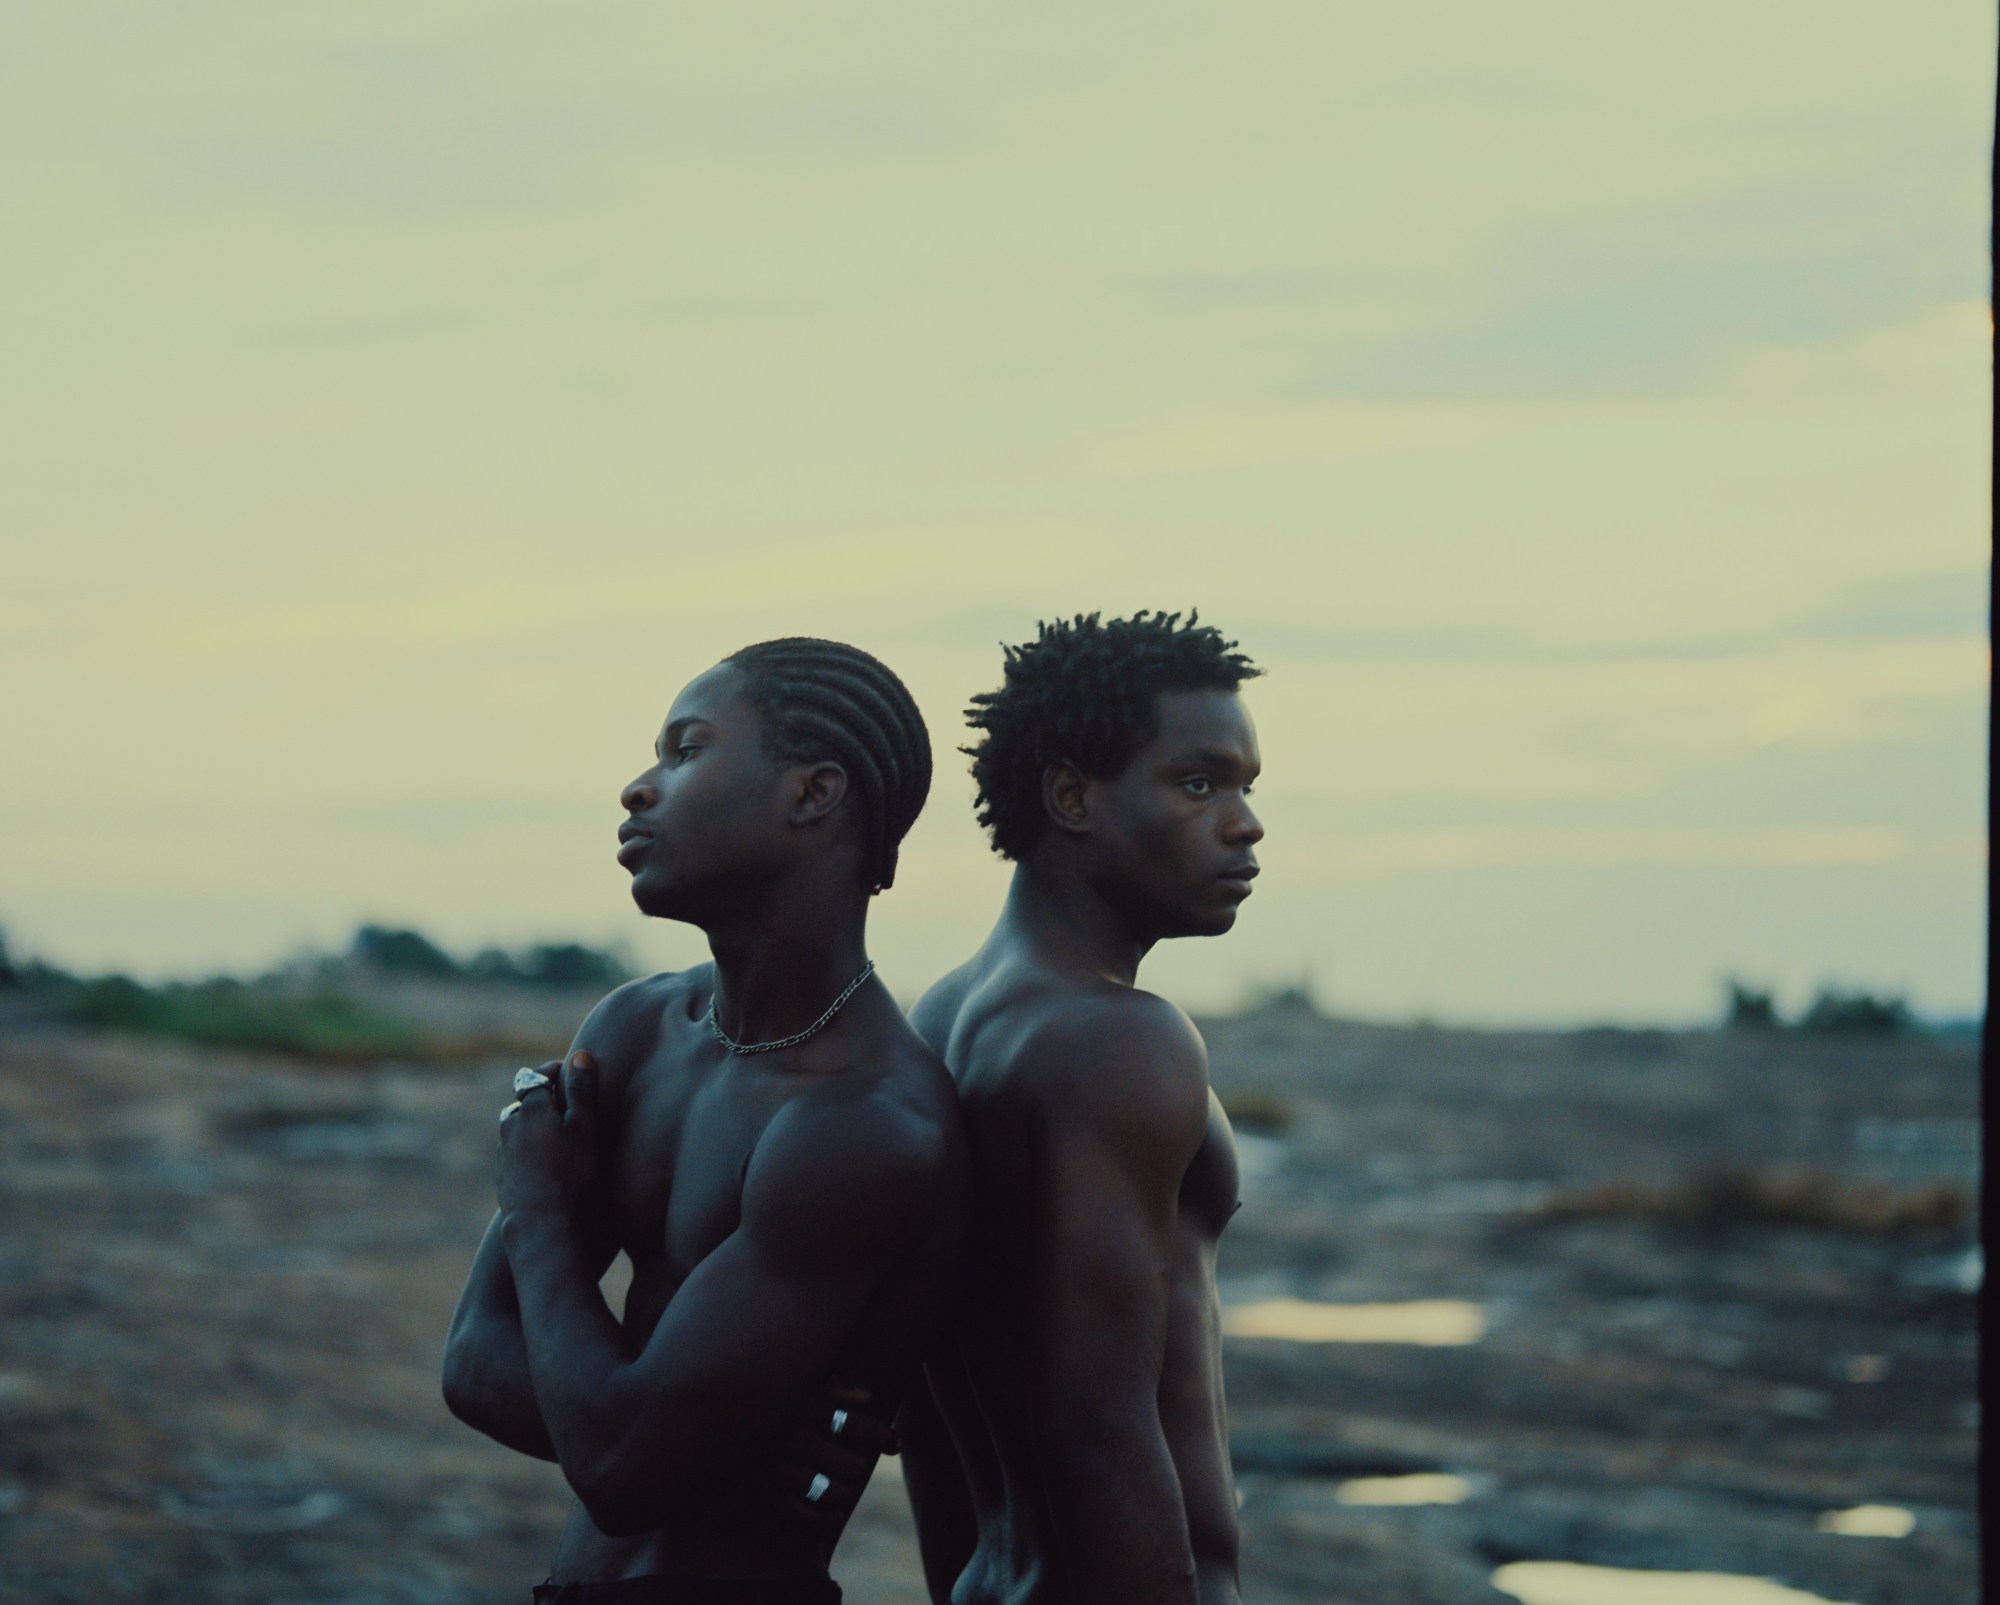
{"type": "Point", "coordinates": [1238, 879]}
{"type": "Point", "coordinates": [632, 841]}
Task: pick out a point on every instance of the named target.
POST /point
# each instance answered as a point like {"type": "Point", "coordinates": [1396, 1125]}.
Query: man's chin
{"type": "Point", "coordinates": [659, 898]}
{"type": "Point", "coordinates": [1208, 922]}
{"type": "Point", "coordinates": [654, 900]}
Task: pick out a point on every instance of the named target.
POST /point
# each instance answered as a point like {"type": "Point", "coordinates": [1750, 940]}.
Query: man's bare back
{"type": "Point", "coordinates": [1078, 1096]}
{"type": "Point", "coordinates": [1071, 1447]}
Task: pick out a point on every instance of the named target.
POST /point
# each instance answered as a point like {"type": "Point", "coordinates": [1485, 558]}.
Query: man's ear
{"type": "Point", "coordinates": [1065, 797]}
{"type": "Point", "coordinates": [817, 791]}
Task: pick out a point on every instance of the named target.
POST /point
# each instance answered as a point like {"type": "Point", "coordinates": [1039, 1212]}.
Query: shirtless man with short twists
{"type": "Point", "coordinates": [1071, 1447]}
{"type": "Point", "coordinates": [765, 1137]}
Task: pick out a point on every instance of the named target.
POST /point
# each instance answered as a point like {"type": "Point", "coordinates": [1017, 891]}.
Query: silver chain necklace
{"type": "Point", "coordinates": [796, 1037]}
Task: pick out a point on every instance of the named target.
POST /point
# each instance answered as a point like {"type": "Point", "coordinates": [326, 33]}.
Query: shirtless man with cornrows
{"type": "Point", "coordinates": [766, 1139]}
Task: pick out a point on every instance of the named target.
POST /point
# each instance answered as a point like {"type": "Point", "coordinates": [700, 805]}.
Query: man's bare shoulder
{"type": "Point", "coordinates": [1110, 1056]}
{"type": "Point", "coordinates": [622, 1031]}
{"type": "Point", "coordinates": [938, 1010]}
{"type": "Point", "coordinates": [856, 1159]}
{"type": "Point", "coordinates": [875, 1057]}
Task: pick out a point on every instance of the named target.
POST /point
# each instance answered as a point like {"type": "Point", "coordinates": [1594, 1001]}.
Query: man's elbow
{"type": "Point", "coordinates": [460, 1379]}
{"type": "Point", "coordinates": [475, 1394]}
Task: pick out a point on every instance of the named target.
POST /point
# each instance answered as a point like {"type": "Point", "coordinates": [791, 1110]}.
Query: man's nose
{"type": "Point", "coordinates": [641, 794]}
{"type": "Point", "coordinates": [1245, 827]}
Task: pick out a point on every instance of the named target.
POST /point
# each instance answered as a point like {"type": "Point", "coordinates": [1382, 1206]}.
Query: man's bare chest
{"type": "Point", "coordinates": [680, 1155]}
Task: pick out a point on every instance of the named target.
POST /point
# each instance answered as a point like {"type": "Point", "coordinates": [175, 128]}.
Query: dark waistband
{"type": "Point", "coordinates": [664, 1590]}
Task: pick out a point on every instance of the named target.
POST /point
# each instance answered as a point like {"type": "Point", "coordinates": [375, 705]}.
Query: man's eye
{"type": "Point", "coordinates": [687, 748]}
{"type": "Point", "coordinates": [1200, 785]}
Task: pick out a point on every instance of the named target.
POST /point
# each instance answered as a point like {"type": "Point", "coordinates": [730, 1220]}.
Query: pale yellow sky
{"type": "Point", "coordinates": [1581, 412]}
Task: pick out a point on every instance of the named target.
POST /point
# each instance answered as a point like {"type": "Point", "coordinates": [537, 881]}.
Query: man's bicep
{"type": "Point", "coordinates": [1105, 1258]}
{"type": "Point", "coordinates": [762, 1318]}
{"type": "Point", "coordinates": [1114, 1159]}
{"type": "Point", "coordinates": [739, 1320]}
{"type": "Point", "coordinates": [742, 1343]}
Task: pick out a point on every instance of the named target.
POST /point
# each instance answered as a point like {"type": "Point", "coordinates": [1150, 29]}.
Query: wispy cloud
{"type": "Point", "coordinates": [403, 398]}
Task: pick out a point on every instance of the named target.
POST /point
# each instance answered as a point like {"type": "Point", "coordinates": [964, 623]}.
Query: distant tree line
{"type": "Point", "coordinates": [303, 1008]}
{"type": "Point", "coordinates": [390, 951]}
{"type": "Point", "coordinates": [1833, 1011]}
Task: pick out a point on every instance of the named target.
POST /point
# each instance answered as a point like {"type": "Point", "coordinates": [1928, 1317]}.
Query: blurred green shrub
{"type": "Point", "coordinates": [316, 1025]}
{"type": "Point", "coordinates": [1748, 1009]}
{"type": "Point", "coordinates": [312, 1009]}
{"type": "Point", "coordinates": [1855, 1014]}
{"type": "Point", "coordinates": [402, 952]}
{"type": "Point", "coordinates": [572, 964]}
{"type": "Point", "coordinates": [493, 964]}
{"type": "Point", "coordinates": [1281, 998]}
{"type": "Point", "coordinates": [397, 952]}
{"type": "Point", "coordinates": [1833, 1012]}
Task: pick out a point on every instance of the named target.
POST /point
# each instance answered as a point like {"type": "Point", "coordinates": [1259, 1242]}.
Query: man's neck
{"type": "Point", "coordinates": [1068, 922]}
{"type": "Point", "coordinates": [777, 969]}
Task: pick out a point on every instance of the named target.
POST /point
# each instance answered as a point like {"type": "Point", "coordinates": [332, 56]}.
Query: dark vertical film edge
{"type": "Point", "coordinates": [1989, 1049]}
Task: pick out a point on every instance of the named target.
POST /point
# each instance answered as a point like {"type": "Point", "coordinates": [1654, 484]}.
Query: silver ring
{"type": "Point", "coordinates": [816, 1489]}
{"type": "Point", "coordinates": [839, 1421]}
{"type": "Point", "coordinates": [526, 1080]}
{"type": "Point", "coordinates": [510, 1109]}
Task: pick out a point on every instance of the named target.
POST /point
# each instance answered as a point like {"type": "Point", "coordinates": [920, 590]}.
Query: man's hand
{"type": "Point", "coordinates": [548, 1142]}
{"type": "Point", "coordinates": [834, 1449]}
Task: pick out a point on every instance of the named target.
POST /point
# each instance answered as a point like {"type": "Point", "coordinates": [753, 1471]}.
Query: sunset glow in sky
{"type": "Point", "coordinates": [1581, 412]}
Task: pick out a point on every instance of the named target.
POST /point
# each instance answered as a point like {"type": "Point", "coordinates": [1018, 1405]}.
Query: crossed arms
{"type": "Point", "coordinates": [640, 1426]}
{"type": "Point", "coordinates": [487, 1384]}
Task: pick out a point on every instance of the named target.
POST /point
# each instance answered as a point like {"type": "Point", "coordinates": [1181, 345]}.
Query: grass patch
{"type": "Point", "coordinates": [230, 1013]}
{"type": "Point", "coordinates": [1771, 1198]}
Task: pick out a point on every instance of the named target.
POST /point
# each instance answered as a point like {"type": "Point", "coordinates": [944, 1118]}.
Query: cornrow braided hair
{"type": "Point", "coordinates": [1085, 691]}
{"type": "Point", "coordinates": [823, 699]}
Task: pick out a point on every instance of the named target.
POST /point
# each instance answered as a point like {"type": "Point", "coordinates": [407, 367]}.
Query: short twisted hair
{"type": "Point", "coordinates": [1084, 691]}
{"type": "Point", "coordinates": [823, 699]}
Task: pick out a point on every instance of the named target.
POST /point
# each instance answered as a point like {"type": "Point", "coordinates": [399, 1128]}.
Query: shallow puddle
{"type": "Point", "coordinates": [1563, 1582]}
{"type": "Point", "coordinates": [1416, 1488]}
{"type": "Point", "coordinates": [1432, 1322]}
{"type": "Point", "coordinates": [1869, 1521]}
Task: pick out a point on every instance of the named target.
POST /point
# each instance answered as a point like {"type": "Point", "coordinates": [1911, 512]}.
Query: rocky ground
{"type": "Point", "coordinates": [224, 1280]}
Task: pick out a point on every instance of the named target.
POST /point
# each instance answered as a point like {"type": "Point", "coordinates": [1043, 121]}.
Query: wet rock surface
{"type": "Point", "coordinates": [225, 1279]}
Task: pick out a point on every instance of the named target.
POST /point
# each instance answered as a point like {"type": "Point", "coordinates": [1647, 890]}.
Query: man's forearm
{"type": "Point", "coordinates": [486, 1380]}
{"type": "Point", "coordinates": [493, 1393]}
{"type": "Point", "coordinates": [580, 1361]}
